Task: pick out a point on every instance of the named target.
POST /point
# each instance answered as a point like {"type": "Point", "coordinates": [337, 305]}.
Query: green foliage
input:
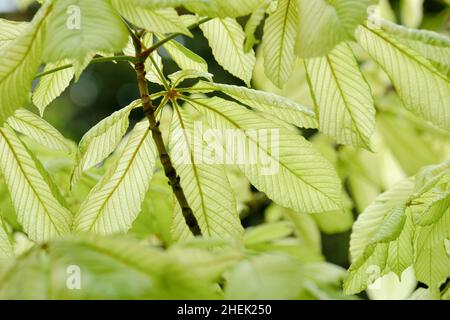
{"type": "Point", "coordinates": [325, 23]}
{"type": "Point", "coordinates": [226, 39]}
{"type": "Point", "coordinates": [346, 112]}
{"type": "Point", "coordinates": [119, 189]}
{"type": "Point", "coordinates": [101, 140]}
{"type": "Point", "coordinates": [95, 32]}
{"type": "Point", "coordinates": [51, 86]}
{"type": "Point", "coordinates": [21, 58]}
{"type": "Point", "coordinates": [405, 226]}
{"type": "Point", "coordinates": [340, 93]}
{"type": "Point", "coordinates": [206, 185]}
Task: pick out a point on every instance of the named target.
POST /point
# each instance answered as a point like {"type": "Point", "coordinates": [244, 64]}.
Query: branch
{"type": "Point", "coordinates": [169, 170]}
{"type": "Point", "coordinates": [95, 60]}
{"type": "Point", "coordinates": [143, 55]}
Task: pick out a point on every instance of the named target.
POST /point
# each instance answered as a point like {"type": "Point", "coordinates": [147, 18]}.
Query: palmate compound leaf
{"type": "Point", "coordinates": [115, 201]}
{"type": "Point", "coordinates": [20, 61]}
{"type": "Point", "coordinates": [280, 31]}
{"type": "Point", "coordinates": [101, 140]}
{"type": "Point", "coordinates": [276, 160]}
{"type": "Point", "coordinates": [404, 227]}
{"type": "Point", "coordinates": [38, 129]}
{"type": "Point", "coordinates": [322, 24]}
{"type": "Point", "coordinates": [370, 219]}
{"type": "Point", "coordinates": [205, 184]}
{"type": "Point", "coordinates": [278, 106]}
{"type": "Point", "coordinates": [165, 20]}
{"type": "Point", "coordinates": [343, 100]}
{"type": "Point", "coordinates": [226, 39]}
{"type": "Point", "coordinates": [52, 85]}
{"type": "Point", "coordinates": [428, 94]}
{"type": "Point", "coordinates": [390, 248]}
{"type": "Point", "coordinates": [36, 199]}
{"type": "Point", "coordinates": [81, 28]}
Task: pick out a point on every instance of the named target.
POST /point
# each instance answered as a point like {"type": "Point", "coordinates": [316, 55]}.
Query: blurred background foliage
{"type": "Point", "coordinates": [402, 145]}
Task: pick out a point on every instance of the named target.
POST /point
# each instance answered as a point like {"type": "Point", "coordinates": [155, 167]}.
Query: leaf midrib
{"type": "Point", "coordinates": [194, 168]}
{"type": "Point", "coordinates": [283, 165]}
{"type": "Point", "coordinates": [133, 157]}
{"type": "Point", "coordinates": [19, 164]}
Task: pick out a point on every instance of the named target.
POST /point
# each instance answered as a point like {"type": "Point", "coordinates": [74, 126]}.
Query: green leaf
{"type": "Point", "coordinates": [278, 276]}
{"type": "Point", "coordinates": [429, 176]}
{"type": "Point", "coordinates": [391, 226]}
{"type": "Point", "coordinates": [280, 30]}
{"type": "Point", "coordinates": [165, 20]}
{"type": "Point", "coordinates": [389, 249]}
{"type": "Point", "coordinates": [412, 12]}
{"type": "Point", "coordinates": [10, 30]}
{"type": "Point", "coordinates": [370, 219]}
{"type": "Point", "coordinates": [288, 169]}
{"type": "Point", "coordinates": [252, 24]}
{"type": "Point", "coordinates": [205, 185]}
{"type": "Point", "coordinates": [432, 265]}
{"type": "Point", "coordinates": [157, 210]}
{"type": "Point", "coordinates": [278, 106]}
{"type": "Point", "coordinates": [149, 4]}
{"type": "Point", "coordinates": [179, 76]}
{"type": "Point", "coordinates": [35, 198]}
{"type": "Point", "coordinates": [109, 268]}
{"type": "Point", "coordinates": [38, 129]}
{"type": "Point", "coordinates": [101, 140]}
{"type": "Point", "coordinates": [305, 228]}
{"type": "Point", "coordinates": [406, 142]}
{"type": "Point", "coordinates": [431, 45]}
{"type": "Point", "coordinates": [426, 96]}
{"type": "Point", "coordinates": [267, 232]}
{"type": "Point", "coordinates": [6, 245]}
{"type": "Point", "coordinates": [183, 57]}
{"type": "Point", "coordinates": [20, 61]}
{"type": "Point", "coordinates": [115, 201]}
{"type": "Point", "coordinates": [334, 222]}
{"type": "Point", "coordinates": [222, 9]}
{"type": "Point", "coordinates": [226, 39]}
{"type": "Point", "coordinates": [267, 276]}
{"type": "Point", "coordinates": [325, 23]}
{"type": "Point", "coordinates": [81, 28]}
{"type": "Point", "coordinates": [52, 85]}
{"type": "Point", "coordinates": [344, 104]}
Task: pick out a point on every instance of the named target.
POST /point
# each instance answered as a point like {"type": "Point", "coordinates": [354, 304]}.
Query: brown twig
{"type": "Point", "coordinates": [169, 170]}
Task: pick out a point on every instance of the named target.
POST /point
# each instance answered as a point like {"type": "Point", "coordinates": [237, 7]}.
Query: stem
{"type": "Point", "coordinates": [160, 73]}
{"type": "Point", "coordinates": [169, 170]}
{"type": "Point", "coordinates": [95, 60]}
{"type": "Point", "coordinates": [158, 44]}
{"type": "Point", "coordinates": [143, 55]}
